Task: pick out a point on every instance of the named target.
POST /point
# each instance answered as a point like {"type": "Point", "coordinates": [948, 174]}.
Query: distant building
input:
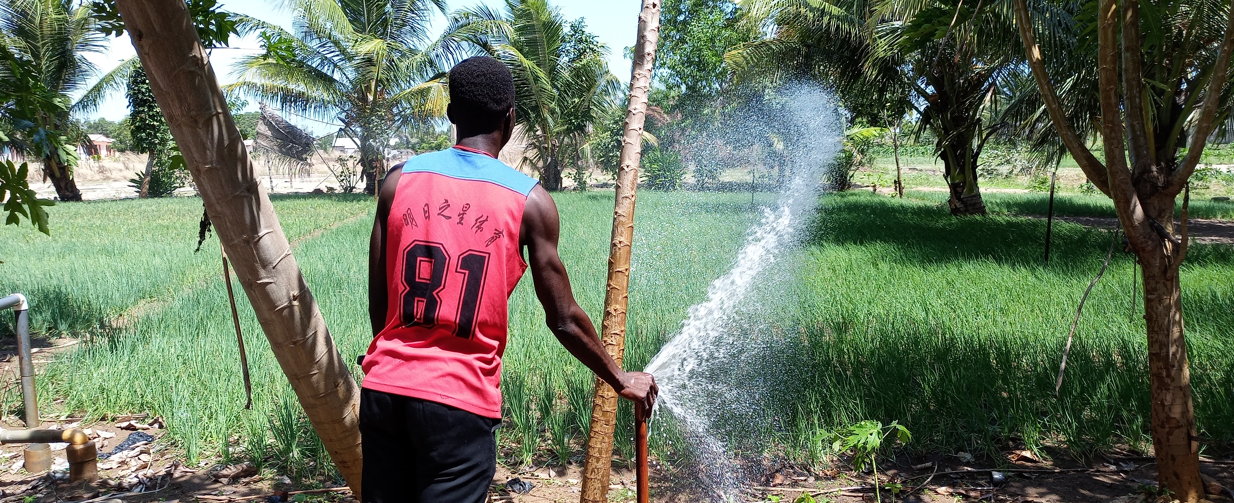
{"type": "Point", "coordinates": [345, 146]}
{"type": "Point", "coordinates": [99, 145]}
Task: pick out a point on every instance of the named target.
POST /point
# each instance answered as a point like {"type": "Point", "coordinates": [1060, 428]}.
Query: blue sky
{"type": "Point", "coordinates": [614, 22]}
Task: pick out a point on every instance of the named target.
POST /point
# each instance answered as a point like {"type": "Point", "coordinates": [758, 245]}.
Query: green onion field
{"type": "Point", "coordinates": [951, 326]}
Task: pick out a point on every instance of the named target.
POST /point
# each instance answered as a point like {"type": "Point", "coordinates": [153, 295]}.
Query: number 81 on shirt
{"type": "Point", "coordinates": [426, 269]}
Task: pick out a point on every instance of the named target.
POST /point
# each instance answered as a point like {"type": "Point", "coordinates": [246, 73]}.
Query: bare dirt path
{"type": "Point", "coordinates": [1202, 231]}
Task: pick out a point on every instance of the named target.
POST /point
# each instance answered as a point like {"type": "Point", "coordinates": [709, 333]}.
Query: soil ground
{"type": "Point", "coordinates": [946, 480]}
{"type": "Point", "coordinates": [1199, 230]}
{"type": "Point", "coordinates": [156, 473]}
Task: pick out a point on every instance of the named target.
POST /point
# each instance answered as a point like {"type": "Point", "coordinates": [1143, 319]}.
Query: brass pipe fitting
{"type": "Point", "coordinates": [83, 462]}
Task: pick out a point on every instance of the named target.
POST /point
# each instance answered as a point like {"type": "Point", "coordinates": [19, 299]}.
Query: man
{"type": "Point", "coordinates": [445, 254]}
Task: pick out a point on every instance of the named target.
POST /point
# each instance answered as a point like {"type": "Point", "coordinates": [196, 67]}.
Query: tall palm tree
{"type": "Point", "coordinates": [942, 58]}
{"type": "Point", "coordinates": [561, 78]}
{"type": "Point", "coordinates": [55, 36]}
{"type": "Point", "coordinates": [368, 64]}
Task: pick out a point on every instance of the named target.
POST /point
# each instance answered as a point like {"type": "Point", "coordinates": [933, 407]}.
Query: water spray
{"type": "Point", "coordinates": [703, 369]}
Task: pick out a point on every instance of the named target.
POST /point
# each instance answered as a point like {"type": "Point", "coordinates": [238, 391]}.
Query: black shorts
{"type": "Point", "coordinates": [423, 452]}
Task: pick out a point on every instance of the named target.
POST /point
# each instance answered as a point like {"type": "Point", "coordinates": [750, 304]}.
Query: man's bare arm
{"type": "Point", "coordinates": [378, 295]}
{"type": "Point", "coordinates": [539, 233]}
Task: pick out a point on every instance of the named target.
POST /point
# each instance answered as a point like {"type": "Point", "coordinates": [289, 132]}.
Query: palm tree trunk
{"type": "Point", "coordinates": [1173, 416]}
{"type": "Point", "coordinates": [550, 175]}
{"type": "Point", "coordinates": [145, 180]}
{"type": "Point", "coordinates": [596, 472]}
{"type": "Point", "coordinates": [62, 179]}
{"type": "Point", "coordinates": [958, 167]}
{"type": "Point", "coordinates": [187, 91]}
{"type": "Point", "coordinates": [372, 161]}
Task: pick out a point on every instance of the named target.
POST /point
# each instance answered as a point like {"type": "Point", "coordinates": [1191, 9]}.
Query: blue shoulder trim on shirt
{"type": "Point", "coordinates": [463, 165]}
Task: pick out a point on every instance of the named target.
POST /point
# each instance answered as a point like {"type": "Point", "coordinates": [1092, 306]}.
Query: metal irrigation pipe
{"type": "Point", "coordinates": [82, 453]}
{"type": "Point", "coordinates": [640, 448]}
{"type": "Point", "coordinates": [71, 436]}
{"type": "Point", "coordinates": [21, 308]}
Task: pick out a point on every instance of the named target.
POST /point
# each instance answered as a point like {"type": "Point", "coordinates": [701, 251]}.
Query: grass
{"type": "Point", "coordinates": [894, 311]}
{"type": "Point", "coordinates": [104, 258]}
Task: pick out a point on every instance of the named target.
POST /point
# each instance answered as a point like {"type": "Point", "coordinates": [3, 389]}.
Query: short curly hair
{"type": "Point", "coordinates": [481, 93]}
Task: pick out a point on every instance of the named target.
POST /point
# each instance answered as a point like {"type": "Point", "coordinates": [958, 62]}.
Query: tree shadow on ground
{"type": "Point", "coordinates": [927, 234]}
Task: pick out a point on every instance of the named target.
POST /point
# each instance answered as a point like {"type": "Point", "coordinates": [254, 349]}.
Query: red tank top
{"type": "Point", "coordinates": [452, 260]}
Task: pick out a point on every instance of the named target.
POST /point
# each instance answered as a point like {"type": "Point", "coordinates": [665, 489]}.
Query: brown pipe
{"type": "Point", "coordinates": [640, 450]}
{"type": "Point", "coordinates": [72, 435]}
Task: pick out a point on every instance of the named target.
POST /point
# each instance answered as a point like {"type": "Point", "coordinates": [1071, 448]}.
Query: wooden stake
{"type": "Point", "coordinates": [235, 319]}
{"type": "Point", "coordinates": [1049, 219]}
{"type": "Point", "coordinates": [596, 471]}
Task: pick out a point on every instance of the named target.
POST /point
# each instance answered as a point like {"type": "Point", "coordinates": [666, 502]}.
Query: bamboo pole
{"type": "Point", "coordinates": [596, 472]}
{"type": "Point", "coordinates": [187, 92]}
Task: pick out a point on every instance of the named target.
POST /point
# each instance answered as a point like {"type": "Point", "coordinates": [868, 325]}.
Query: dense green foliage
{"type": "Point", "coordinates": [26, 104]}
{"type": "Point", "coordinates": [150, 136]}
{"type": "Point", "coordinates": [147, 127]}
{"type": "Point", "coordinates": [694, 36]}
{"type": "Point", "coordinates": [45, 44]}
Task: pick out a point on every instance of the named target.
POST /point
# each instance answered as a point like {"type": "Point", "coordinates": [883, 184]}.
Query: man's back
{"type": "Point", "coordinates": [453, 259]}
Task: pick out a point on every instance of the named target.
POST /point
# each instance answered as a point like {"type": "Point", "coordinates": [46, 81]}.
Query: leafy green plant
{"type": "Point", "coordinates": [19, 199]}
{"type": "Point", "coordinates": [1206, 177]}
{"type": "Point", "coordinates": [662, 169]}
{"type": "Point", "coordinates": [858, 153]}
{"type": "Point", "coordinates": [348, 175]}
{"type": "Point", "coordinates": [168, 175]}
{"type": "Point", "coordinates": [865, 439]}
{"type": "Point", "coordinates": [1039, 183]}
{"type": "Point", "coordinates": [809, 498]}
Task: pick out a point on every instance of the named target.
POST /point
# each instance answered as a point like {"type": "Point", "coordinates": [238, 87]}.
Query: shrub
{"type": "Point", "coordinates": [662, 169]}
{"type": "Point", "coordinates": [168, 175]}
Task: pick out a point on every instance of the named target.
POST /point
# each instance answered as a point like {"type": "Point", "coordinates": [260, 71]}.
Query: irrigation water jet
{"type": "Point", "coordinates": [699, 370]}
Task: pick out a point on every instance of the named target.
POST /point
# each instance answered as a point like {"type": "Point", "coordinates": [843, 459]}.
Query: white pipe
{"type": "Point", "coordinates": [16, 301]}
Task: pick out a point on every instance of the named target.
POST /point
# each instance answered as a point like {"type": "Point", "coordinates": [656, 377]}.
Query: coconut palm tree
{"type": "Point", "coordinates": [561, 78]}
{"type": "Point", "coordinates": [55, 36]}
{"type": "Point", "coordinates": [1170, 94]}
{"type": "Point", "coordinates": [943, 58]}
{"type": "Point", "coordinates": [367, 64]}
